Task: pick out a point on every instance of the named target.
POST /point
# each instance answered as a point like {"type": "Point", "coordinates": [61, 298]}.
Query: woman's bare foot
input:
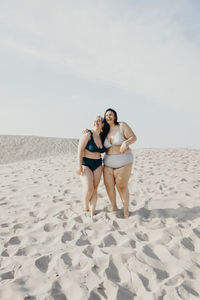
{"type": "Point", "coordinates": [126, 213]}
{"type": "Point", "coordinates": [114, 208]}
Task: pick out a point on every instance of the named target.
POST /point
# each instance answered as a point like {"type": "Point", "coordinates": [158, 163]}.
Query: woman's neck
{"type": "Point", "coordinates": [97, 131]}
{"type": "Point", "coordinates": [112, 125]}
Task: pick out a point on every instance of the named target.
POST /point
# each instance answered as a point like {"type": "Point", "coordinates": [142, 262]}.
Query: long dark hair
{"type": "Point", "coordinates": [106, 126]}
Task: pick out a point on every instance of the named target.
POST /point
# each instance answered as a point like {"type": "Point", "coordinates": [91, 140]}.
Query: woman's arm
{"type": "Point", "coordinates": [81, 147]}
{"type": "Point", "coordinates": [129, 136]}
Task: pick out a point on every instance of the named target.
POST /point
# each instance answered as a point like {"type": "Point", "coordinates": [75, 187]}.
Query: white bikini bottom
{"type": "Point", "coordinates": [117, 160]}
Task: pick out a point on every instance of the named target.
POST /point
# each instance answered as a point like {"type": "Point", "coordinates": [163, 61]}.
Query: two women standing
{"type": "Point", "coordinates": [113, 137]}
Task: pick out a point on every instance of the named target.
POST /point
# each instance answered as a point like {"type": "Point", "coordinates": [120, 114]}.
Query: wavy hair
{"type": "Point", "coordinates": [106, 126]}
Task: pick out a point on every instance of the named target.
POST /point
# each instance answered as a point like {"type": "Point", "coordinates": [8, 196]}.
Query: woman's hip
{"type": "Point", "coordinates": [117, 160]}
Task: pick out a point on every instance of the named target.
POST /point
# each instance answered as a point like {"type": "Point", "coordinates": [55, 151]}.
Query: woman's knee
{"type": "Point", "coordinates": [90, 189]}
{"type": "Point", "coordinates": [95, 188]}
{"type": "Point", "coordinates": [110, 185]}
{"type": "Point", "coordinates": [122, 188]}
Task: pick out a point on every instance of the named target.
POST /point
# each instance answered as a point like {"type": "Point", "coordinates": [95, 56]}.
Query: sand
{"type": "Point", "coordinates": [51, 249]}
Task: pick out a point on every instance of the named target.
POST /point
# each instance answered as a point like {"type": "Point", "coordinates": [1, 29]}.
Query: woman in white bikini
{"type": "Point", "coordinates": [118, 159]}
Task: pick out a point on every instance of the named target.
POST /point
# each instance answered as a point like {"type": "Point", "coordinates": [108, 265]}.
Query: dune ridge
{"type": "Point", "coordinates": [18, 147]}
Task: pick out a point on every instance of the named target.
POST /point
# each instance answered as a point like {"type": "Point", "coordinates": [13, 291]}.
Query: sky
{"type": "Point", "coordinates": [63, 62]}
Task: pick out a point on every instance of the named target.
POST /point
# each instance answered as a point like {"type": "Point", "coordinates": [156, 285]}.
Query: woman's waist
{"type": "Point", "coordinates": [93, 155]}
{"type": "Point", "coordinates": [116, 150]}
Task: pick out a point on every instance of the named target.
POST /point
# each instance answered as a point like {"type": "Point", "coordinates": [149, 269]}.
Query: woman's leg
{"type": "Point", "coordinates": [88, 186]}
{"type": "Point", "coordinates": [122, 176]}
{"type": "Point", "coordinates": [96, 179]}
{"type": "Point", "coordinates": [109, 181]}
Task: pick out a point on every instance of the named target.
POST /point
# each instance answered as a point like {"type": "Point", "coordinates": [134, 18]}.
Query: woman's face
{"type": "Point", "coordinates": [98, 124]}
{"type": "Point", "coordinates": [110, 117]}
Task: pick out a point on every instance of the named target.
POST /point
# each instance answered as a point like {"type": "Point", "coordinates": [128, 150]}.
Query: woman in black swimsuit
{"type": "Point", "coordinates": [90, 163]}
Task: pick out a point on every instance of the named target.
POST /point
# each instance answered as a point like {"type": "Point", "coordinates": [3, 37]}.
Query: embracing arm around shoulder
{"type": "Point", "coordinates": [81, 147]}
{"type": "Point", "coordinates": [128, 134]}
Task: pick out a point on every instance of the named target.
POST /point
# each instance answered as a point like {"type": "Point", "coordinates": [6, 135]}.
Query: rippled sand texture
{"type": "Point", "coordinates": [51, 249]}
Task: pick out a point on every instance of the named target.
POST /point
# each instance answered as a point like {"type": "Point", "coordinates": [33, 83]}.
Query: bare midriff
{"type": "Point", "coordinates": [116, 150]}
{"type": "Point", "coordinates": [93, 155]}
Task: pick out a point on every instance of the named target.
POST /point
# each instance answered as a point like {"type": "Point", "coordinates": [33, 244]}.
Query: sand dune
{"type": "Point", "coordinates": [17, 148]}
{"type": "Point", "coordinates": [51, 249]}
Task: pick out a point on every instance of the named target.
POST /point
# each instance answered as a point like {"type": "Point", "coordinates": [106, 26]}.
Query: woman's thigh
{"type": "Point", "coordinates": [87, 178]}
{"type": "Point", "coordinates": [108, 176]}
{"type": "Point", "coordinates": [122, 175]}
{"type": "Point", "coordinates": [97, 176]}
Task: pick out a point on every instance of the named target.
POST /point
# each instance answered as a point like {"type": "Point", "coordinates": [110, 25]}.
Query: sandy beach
{"type": "Point", "coordinates": [50, 249]}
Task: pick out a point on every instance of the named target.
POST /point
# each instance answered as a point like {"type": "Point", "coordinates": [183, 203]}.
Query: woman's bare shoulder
{"type": "Point", "coordinates": [123, 125]}
{"type": "Point", "coordinates": [85, 136]}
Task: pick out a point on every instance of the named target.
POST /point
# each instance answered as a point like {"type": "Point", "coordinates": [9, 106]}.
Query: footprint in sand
{"type": "Point", "coordinates": [7, 275]}
{"type": "Point", "coordinates": [29, 250]}
{"type": "Point", "coordinates": [108, 241]}
{"type": "Point", "coordinates": [190, 274]}
{"type": "Point", "coordinates": [177, 279]}
{"type": "Point", "coordinates": [187, 243]}
{"type": "Point", "coordinates": [112, 272]}
{"type": "Point", "coordinates": [66, 192]}
{"type": "Point", "coordinates": [132, 243]}
{"type": "Point", "coordinates": [5, 253]}
{"type": "Point", "coordinates": [115, 225]}
{"type": "Point", "coordinates": [78, 219]}
{"type": "Point", "coordinates": [21, 252]}
{"type": "Point", "coordinates": [4, 225]}
{"type": "Point", "coordinates": [36, 196]}
{"type": "Point", "coordinates": [101, 290]}
{"type": "Point", "coordinates": [122, 232]}
{"type": "Point", "coordinates": [42, 263]}
{"type": "Point", "coordinates": [82, 241]}
{"type": "Point", "coordinates": [149, 252]}
{"type": "Point", "coordinates": [32, 214]}
{"type": "Point", "coordinates": [57, 293]}
{"type": "Point", "coordinates": [197, 232]}
{"type": "Point", "coordinates": [67, 259]}
{"type": "Point", "coordinates": [13, 241]}
{"type": "Point", "coordinates": [196, 186]}
{"type": "Point", "coordinates": [94, 296]}
{"type": "Point", "coordinates": [142, 236]}
{"type": "Point", "coordinates": [88, 251]}
{"type": "Point", "coordinates": [160, 274]}
{"type": "Point", "coordinates": [18, 226]}
{"type": "Point", "coordinates": [145, 281]}
{"type": "Point", "coordinates": [49, 227]}
{"type": "Point", "coordinates": [67, 236]}
{"type": "Point", "coordinates": [100, 195]}
{"type": "Point", "coordinates": [124, 293]}
{"type": "Point", "coordinates": [58, 200]}
{"type": "Point", "coordinates": [185, 291]}
{"type": "Point", "coordinates": [62, 215]}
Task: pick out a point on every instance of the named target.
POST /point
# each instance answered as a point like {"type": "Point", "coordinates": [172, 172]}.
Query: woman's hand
{"type": "Point", "coordinates": [124, 147]}
{"type": "Point", "coordinates": [85, 130]}
{"type": "Point", "coordinates": [80, 172]}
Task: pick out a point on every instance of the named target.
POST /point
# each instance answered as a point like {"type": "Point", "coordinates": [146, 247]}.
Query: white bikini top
{"type": "Point", "coordinates": [116, 139]}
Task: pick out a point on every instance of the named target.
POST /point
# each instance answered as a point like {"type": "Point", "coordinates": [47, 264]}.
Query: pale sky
{"type": "Point", "coordinates": [63, 62]}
